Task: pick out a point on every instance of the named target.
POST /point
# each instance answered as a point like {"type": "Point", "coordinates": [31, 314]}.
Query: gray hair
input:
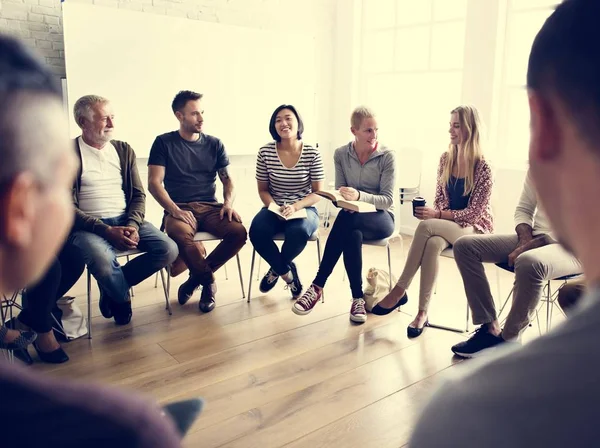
{"type": "Point", "coordinates": [83, 107]}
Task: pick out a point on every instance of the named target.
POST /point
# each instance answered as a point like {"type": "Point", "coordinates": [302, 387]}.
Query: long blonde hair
{"type": "Point", "coordinates": [468, 117]}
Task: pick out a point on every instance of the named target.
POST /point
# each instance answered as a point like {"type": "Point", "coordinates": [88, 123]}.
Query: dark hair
{"type": "Point", "coordinates": [24, 82]}
{"type": "Point", "coordinates": [21, 70]}
{"type": "Point", "coordinates": [182, 98]}
{"type": "Point", "coordinates": [272, 129]}
{"type": "Point", "coordinates": [565, 62]}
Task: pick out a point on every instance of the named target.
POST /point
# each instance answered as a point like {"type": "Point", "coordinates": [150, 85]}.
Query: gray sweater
{"type": "Point", "coordinates": [375, 180]}
{"type": "Point", "coordinates": [544, 394]}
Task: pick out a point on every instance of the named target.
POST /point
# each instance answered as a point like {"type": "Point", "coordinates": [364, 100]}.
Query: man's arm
{"type": "Point", "coordinates": [228, 191]}
{"type": "Point", "coordinates": [228, 195]}
{"type": "Point", "coordinates": [156, 176]}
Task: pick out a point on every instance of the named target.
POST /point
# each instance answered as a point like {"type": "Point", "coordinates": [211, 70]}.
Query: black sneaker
{"type": "Point", "coordinates": [481, 340]}
{"type": "Point", "coordinates": [295, 286]}
{"type": "Point", "coordinates": [122, 312]}
{"type": "Point", "coordinates": [105, 304]}
{"type": "Point", "coordinates": [269, 281]}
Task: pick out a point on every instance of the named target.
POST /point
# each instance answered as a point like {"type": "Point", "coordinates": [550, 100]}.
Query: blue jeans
{"type": "Point", "coordinates": [99, 255]}
{"type": "Point", "coordinates": [297, 232]}
{"type": "Point", "coordinates": [346, 237]}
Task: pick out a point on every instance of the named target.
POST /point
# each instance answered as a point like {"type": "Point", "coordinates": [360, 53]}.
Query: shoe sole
{"type": "Point", "coordinates": [468, 355]}
{"type": "Point", "coordinates": [300, 312]}
{"type": "Point", "coordinates": [358, 319]}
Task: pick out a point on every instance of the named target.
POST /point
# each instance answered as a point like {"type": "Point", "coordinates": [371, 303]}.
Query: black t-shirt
{"type": "Point", "coordinates": [456, 189]}
{"type": "Point", "coordinates": [190, 167]}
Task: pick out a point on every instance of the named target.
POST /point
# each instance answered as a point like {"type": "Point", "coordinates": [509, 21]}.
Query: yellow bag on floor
{"type": "Point", "coordinates": [378, 285]}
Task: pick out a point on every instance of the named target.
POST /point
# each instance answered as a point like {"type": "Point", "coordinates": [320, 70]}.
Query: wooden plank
{"type": "Point", "coordinates": [296, 415]}
{"type": "Point", "coordinates": [388, 423]}
{"type": "Point", "coordinates": [254, 388]}
{"type": "Point", "coordinates": [168, 383]}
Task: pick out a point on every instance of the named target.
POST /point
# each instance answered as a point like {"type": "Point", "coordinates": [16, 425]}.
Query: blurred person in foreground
{"type": "Point", "coordinates": [546, 393]}
{"type": "Point", "coordinates": [36, 212]}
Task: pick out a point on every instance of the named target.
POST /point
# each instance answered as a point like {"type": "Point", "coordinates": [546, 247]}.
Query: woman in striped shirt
{"type": "Point", "coordinates": [288, 171]}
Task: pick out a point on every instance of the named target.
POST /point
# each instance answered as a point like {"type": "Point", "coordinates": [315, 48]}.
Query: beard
{"type": "Point", "coordinates": [192, 128]}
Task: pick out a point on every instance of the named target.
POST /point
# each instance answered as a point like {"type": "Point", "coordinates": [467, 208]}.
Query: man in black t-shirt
{"type": "Point", "coordinates": [182, 170]}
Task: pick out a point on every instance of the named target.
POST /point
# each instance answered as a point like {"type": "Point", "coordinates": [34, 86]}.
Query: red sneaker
{"type": "Point", "coordinates": [358, 314]}
{"type": "Point", "coordinates": [307, 302]}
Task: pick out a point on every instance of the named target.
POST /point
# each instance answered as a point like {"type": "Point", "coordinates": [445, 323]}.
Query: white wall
{"type": "Point", "coordinates": [482, 72]}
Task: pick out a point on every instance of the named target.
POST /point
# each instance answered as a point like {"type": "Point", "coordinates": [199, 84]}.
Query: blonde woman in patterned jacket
{"type": "Point", "coordinates": [461, 207]}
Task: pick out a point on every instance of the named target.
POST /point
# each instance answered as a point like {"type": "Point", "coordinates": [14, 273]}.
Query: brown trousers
{"type": "Point", "coordinates": [193, 253]}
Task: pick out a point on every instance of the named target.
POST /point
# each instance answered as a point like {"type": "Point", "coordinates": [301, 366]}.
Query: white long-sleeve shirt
{"type": "Point", "coordinates": [528, 210]}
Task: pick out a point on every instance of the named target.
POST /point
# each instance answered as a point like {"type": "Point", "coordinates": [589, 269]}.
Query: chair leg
{"type": "Point", "coordinates": [89, 303]}
{"type": "Point", "coordinates": [251, 272]}
{"type": "Point", "coordinates": [468, 315]}
{"type": "Point", "coordinates": [156, 281]}
{"type": "Point", "coordinates": [226, 273]}
{"type": "Point", "coordinates": [166, 290]}
{"type": "Point", "coordinates": [319, 259]}
{"type": "Point", "coordinates": [239, 264]}
{"type": "Point", "coordinates": [548, 305]}
{"type": "Point", "coordinates": [130, 289]}
{"type": "Point", "coordinates": [258, 270]}
{"type": "Point", "coordinates": [389, 254]}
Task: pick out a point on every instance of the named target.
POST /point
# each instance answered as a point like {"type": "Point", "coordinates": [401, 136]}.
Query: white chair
{"type": "Point", "coordinates": [449, 253]}
{"type": "Point", "coordinates": [205, 236]}
{"type": "Point", "coordinates": [120, 254]}
{"type": "Point", "coordinates": [281, 237]}
{"type": "Point", "coordinates": [385, 242]}
{"type": "Point", "coordinates": [548, 297]}
{"type": "Point", "coordinates": [328, 205]}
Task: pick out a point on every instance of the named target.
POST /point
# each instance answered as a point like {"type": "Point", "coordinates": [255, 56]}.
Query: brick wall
{"type": "Point", "coordinates": [39, 22]}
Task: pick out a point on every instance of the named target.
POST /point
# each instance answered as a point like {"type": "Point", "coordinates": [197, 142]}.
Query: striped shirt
{"type": "Point", "coordinates": [289, 184]}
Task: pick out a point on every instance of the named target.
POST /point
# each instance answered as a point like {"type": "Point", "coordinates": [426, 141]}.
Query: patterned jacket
{"type": "Point", "coordinates": [478, 213]}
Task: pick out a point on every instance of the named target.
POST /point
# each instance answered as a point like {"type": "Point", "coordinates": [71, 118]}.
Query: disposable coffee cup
{"type": "Point", "coordinates": [418, 202]}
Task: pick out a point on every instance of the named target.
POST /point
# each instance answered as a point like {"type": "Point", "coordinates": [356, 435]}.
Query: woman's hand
{"type": "Point", "coordinates": [349, 194]}
{"type": "Point", "coordinates": [423, 213]}
{"type": "Point", "coordinates": [288, 210]}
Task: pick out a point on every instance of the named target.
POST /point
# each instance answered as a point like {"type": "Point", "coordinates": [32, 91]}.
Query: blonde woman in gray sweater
{"type": "Point", "coordinates": [365, 171]}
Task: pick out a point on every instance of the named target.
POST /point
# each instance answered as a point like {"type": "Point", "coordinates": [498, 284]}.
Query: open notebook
{"type": "Point", "coordinates": [297, 215]}
{"type": "Point", "coordinates": [337, 199]}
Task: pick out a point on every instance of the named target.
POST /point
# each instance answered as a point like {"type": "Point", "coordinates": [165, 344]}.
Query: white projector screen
{"type": "Point", "coordinates": [140, 61]}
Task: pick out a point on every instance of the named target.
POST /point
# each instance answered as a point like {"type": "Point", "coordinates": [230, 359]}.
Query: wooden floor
{"type": "Point", "coordinates": [271, 378]}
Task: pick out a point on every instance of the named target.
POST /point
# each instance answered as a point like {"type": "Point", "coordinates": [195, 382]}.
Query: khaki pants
{"type": "Point", "coordinates": [431, 238]}
{"type": "Point", "coordinates": [532, 270]}
{"type": "Point", "coordinates": [233, 236]}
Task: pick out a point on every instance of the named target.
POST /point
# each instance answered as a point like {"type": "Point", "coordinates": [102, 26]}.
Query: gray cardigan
{"type": "Point", "coordinates": [375, 180]}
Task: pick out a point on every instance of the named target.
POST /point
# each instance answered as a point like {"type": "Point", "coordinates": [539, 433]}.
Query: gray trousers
{"type": "Point", "coordinates": [532, 270]}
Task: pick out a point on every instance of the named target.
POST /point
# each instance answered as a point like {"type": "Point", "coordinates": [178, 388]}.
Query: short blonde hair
{"type": "Point", "coordinates": [359, 114]}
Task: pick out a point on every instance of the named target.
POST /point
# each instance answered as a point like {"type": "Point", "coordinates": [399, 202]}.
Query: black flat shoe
{"type": "Point", "coordinates": [381, 311]}
{"type": "Point", "coordinates": [23, 356]}
{"type": "Point", "coordinates": [57, 356]}
{"type": "Point", "coordinates": [413, 332]}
